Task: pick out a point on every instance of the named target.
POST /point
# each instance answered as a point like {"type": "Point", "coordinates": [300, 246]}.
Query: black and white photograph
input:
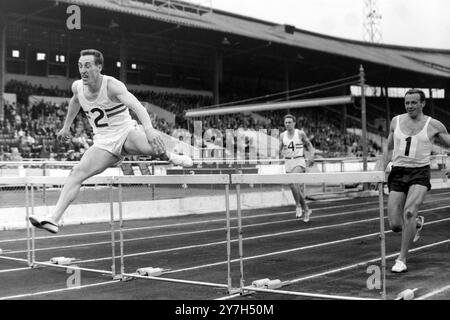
{"type": "Point", "coordinates": [224, 158]}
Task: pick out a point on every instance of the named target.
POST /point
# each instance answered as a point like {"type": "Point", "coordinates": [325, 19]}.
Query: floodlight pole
{"type": "Point", "coordinates": [2, 64]}
{"type": "Point", "coordinates": [123, 57]}
{"type": "Point", "coordinates": [363, 116]}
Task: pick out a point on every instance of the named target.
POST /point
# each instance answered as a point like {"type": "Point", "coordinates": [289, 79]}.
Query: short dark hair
{"type": "Point", "coordinates": [98, 56]}
{"type": "Point", "coordinates": [289, 116]}
{"type": "Point", "coordinates": [416, 91]}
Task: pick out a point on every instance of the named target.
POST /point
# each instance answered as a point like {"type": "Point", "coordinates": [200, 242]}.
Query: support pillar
{"type": "Point", "coordinates": [218, 74]}
{"type": "Point", "coordinates": [123, 58]}
{"type": "Point", "coordinates": [2, 64]}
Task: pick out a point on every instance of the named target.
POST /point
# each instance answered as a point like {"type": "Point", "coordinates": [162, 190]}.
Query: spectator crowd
{"type": "Point", "coordinates": [29, 129]}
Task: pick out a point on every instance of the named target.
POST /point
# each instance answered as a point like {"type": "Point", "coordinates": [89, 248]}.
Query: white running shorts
{"type": "Point", "coordinates": [113, 141]}
{"type": "Point", "coordinates": [290, 164]}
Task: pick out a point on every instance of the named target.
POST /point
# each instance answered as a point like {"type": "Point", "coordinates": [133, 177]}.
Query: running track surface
{"type": "Point", "coordinates": [340, 234]}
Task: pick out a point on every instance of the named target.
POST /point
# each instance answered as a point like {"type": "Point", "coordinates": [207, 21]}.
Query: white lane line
{"type": "Point", "coordinates": [205, 221]}
{"type": "Point", "coordinates": [209, 230]}
{"type": "Point", "coordinates": [192, 232]}
{"type": "Point", "coordinates": [204, 231]}
{"type": "Point", "coordinates": [254, 257]}
{"type": "Point", "coordinates": [355, 265]}
{"type": "Point", "coordinates": [13, 259]}
{"type": "Point", "coordinates": [235, 240]}
{"type": "Point", "coordinates": [58, 290]}
{"type": "Point", "coordinates": [182, 223]}
{"type": "Point", "coordinates": [246, 239]}
{"type": "Point", "coordinates": [270, 235]}
{"type": "Point", "coordinates": [310, 247]}
{"type": "Point", "coordinates": [363, 263]}
{"type": "Point", "coordinates": [433, 293]}
{"type": "Point", "coordinates": [13, 270]}
{"type": "Point", "coordinates": [146, 228]}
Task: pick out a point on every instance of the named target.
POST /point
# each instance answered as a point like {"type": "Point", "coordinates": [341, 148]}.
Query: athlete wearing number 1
{"type": "Point", "coordinates": [409, 147]}
{"type": "Point", "coordinates": [106, 103]}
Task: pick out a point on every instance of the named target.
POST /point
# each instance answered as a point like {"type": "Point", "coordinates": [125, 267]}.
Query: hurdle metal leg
{"type": "Point", "coordinates": [44, 191]}
{"type": "Point", "coordinates": [111, 223]}
{"type": "Point", "coordinates": [227, 206]}
{"type": "Point", "coordinates": [241, 249]}
{"type": "Point", "coordinates": [324, 186]}
{"type": "Point", "coordinates": [122, 261]}
{"type": "Point", "coordinates": [28, 224]}
{"type": "Point", "coordinates": [153, 185]}
{"type": "Point", "coordinates": [33, 231]}
{"type": "Point", "coordinates": [383, 241]}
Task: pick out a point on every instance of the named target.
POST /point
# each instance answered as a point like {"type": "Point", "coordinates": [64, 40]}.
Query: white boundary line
{"type": "Point", "coordinates": [219, 229]}
{"type": "Point", "coordinates": [206, 221]}
{"type": "Point", "coordinates": [259, 237]}
{"type": "Point", "coordinates": [433, 293]}
{"type": "Point", "coordinates": [235, 240]}
{"type": "Point", "coordinates": [185, 224]}
{"type": "Point", "coordinates": [13, 259]}
{"type": "Point", "coordinates": [362, 263]}
{"type": "Point", "coordinates": [274, 291]}
{"type": "Point", "coordinates": [304, 248]}
{"type": "Point", "coordinates": [202, 231]}
{"type": "Point", "coordinates": [348, 267]}
{"type": "Point", "coordinates": [269, 236]}
{"type": "Point", "coordinates": [58, 290]}
{"type": "Point", "coordinates": [12, 270]}
{"type": "Point", "coordinates": [306, 294]}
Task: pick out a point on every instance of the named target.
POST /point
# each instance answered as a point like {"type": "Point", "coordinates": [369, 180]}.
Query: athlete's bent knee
{"type": "Point", "coordinates": [410, 213]}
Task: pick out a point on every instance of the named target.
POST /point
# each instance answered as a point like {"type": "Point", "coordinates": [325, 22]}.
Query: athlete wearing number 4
{"type": "Point", "coordinates": [105, 101]}
{"type": "Point", "coordinates": [292, 145]}
{"type": "Point", "coordinates": [409, 146]}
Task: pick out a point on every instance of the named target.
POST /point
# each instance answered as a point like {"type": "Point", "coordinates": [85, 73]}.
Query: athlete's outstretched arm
{"type": "Point", "coordinates": [442, 134]}
{"type": "Point", "coordinates": [72, 111]}
{"type": "Point", "coordinates": [310, 148]}
{"type": "Point", "coordinates": [118, 89]}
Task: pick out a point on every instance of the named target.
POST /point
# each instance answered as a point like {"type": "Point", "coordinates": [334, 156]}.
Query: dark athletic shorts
{"type": "Point", "coordinates": [401, 178]}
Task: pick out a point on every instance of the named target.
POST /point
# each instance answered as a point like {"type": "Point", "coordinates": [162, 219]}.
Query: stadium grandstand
{"type": "Point", "coordinates": [180, 56]}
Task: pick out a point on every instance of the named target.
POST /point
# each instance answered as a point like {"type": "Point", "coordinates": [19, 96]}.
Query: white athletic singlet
{"type": "Point", "coordinates": [110, 121]}
{"type": "Point", "coordinates": [411, 151]}
{"type": "Point", "coordinates": [292, 147]}
{"type": "Point", "coordinates": [105, 116]}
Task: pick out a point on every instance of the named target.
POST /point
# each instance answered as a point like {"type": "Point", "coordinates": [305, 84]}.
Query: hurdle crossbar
{"type": "Point", "coordinates": [220, 179]}
{"type": "Point", "coordinates": [13, 181]}
{"type": "Point", "coordinates": [310, 178]}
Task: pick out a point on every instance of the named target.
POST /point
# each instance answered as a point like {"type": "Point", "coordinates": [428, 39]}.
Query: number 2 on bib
{"type": "Point", "coordinates": [100, 116]}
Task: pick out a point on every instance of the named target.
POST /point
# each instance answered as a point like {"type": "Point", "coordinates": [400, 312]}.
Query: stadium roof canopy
{"type": "Point", "coordinates": [433, 62]}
